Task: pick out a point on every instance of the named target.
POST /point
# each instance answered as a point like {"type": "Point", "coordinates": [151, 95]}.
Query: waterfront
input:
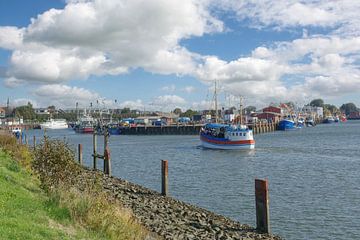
{"type": "Point", "coordinates": [312, 175]}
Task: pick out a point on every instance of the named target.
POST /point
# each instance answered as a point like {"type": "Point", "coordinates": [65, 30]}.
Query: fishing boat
{"type": "Point", "coordinates": [113, 129]}
{"type": "Point", "coordinates": [226, 136]}
{"type": "Point", "coordinates": [310, 122]}
{"type": "Point", "coordinates": [300, 123]}
{"type": "Point", "coordinates": [287, 124]}
{"type": "Point", "coordinates": [329, 119]}
{"type": "Point", "coordinates": [343, 118]}
{"type": "Point", "coordinates": [54, 124]}
{"type": "Point", "coordinates": [85, 125]}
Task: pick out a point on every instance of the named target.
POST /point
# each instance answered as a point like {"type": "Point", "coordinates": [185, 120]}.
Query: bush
{"type": "Point", "coordinates": [54, 162]}
{"type": "Point", "coordinates": [18, 152]}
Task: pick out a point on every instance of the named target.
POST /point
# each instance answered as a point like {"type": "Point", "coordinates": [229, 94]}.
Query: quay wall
{"type": "Point", "coordinates": [188, 129]}
{"type": "Point", "coordinates": [163, 130]}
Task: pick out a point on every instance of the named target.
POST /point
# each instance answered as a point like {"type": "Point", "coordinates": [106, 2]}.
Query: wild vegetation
{"type": "Point", "coordinates": [41, 197]}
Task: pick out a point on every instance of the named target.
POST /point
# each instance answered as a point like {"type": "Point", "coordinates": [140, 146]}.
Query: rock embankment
{"type": "Point", "coordinates": [170, 218]}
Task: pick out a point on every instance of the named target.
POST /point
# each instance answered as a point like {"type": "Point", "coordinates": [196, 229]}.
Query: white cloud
{"type": "Point", "coordinates": [10, 37]}
{"type": "Point", "coordinates": [65, 96]}
{"type": "Point", "coordinates": [168, 102]}
{"type": "Point", "coordinates": [171, 88]}
{"type": "Point", "coordinates": [107, 37]}
{"type": "Point", "coordinates": [13, 82]}
{"type": "Point", "coordinates": [339, 16]}
{"type": "Point", "coordinates": [137, 104]}
{"type": "Point", "coordinates": [189, 89]}
{"type": "Point", "coordinates": [243, 69]}
{"type": "Point", "coordinates": [22, 102]}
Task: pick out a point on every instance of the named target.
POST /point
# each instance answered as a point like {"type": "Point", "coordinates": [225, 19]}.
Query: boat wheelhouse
{"type": "Point", "coordinates": [225, 136]}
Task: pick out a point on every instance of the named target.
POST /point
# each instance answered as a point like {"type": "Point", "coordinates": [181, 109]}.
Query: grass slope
{"type": "Point", "coordinates": [27, 213]}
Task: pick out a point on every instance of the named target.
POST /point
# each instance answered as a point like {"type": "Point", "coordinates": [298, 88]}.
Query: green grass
{"type": "Point", "coordinates": [26, 212]}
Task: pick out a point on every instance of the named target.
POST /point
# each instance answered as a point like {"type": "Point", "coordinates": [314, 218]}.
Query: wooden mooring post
{"type": "Point", "coordinates": [164, 177]}
{"type": "Point", "coordinates": [94, 150]}
{"type": "Point", "coordinates": [80, 154]}
{"type": "Point", "coordinates": [26, 140]}
{"type": "Point", "coordinates": [262, 205]}
{"type": "Point", "coordinates": [107, 163]}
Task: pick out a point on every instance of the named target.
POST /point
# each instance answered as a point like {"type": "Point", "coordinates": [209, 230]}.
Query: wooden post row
{"type": "Point", "coordinates": [164, 177]}
{"type": "Point", "coordinates": [262, 205]}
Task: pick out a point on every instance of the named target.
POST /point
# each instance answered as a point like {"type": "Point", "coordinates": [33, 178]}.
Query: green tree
{"type": "Point", "coordinates": [250, 109]}
{"type": "Point", "coordinates": [347, 108]}
{"type": "Point", "coordinates": [125, 111]}
{"type": "Point", "coordinates": [26, 112]}
{"type": "Point", "coordinates": [317, 103]}
{"type": "Point", "coordinates": [189, 113]}
{"type": "Point", "coordinates": [177, 111]}
{"type": "Point", "coordinates": [332, 109]}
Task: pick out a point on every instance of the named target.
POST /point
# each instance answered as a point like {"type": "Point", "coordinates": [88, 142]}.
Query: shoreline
{"type": "Point", "coordinates": [171, 218]}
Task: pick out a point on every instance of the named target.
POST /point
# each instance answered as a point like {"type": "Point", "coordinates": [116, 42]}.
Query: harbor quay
{"type": "Point", "coordinates": [189, 129]}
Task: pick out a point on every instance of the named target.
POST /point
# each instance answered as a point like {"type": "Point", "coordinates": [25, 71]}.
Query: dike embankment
{"type": "Point", "coordinates": [168, 217]}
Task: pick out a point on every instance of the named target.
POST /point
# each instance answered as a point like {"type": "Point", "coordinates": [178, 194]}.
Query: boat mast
{"type": "Point", "coordinates": [216, 107]}
{"type": "Point", "coordinates": [241, 109]}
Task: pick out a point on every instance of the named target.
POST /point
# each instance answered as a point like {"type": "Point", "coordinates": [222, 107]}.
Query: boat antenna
{"type": "Point", "coordinates": [241, 109]}
{"type": "Point", "coordinates": [216, 107]}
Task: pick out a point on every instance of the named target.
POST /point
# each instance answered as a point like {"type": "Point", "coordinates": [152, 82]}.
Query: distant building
{"type": "Point", "coordinates": [42, 111]}
{"type": "Point", "coordinates": [314, 111]}
{"type": "Point", "coordinates": [354, 116]}
{"type": "Point", "coordinates": [270, 114]}
{"type": "Point", "coordinates": [229, 116]}
{"type": "Point", "coordinates": [2, 112]}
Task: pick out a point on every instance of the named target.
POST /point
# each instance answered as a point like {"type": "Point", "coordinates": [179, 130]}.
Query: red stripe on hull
{"type": "Point", "coordinates": [228, 142]}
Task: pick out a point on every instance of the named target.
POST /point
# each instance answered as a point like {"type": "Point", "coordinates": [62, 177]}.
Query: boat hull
{"type": "Point", "coordinates": [114, 131]}
{"type": "Point", "coordinates": [286, 125]}
{"type": "Point", "coordinates": [214, 143]}
{"type": "Point", "coordinates": [85, 130]}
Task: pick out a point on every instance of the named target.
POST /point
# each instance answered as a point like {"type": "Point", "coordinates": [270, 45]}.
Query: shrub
{"type": "Point", "coordinates": [54, 162]}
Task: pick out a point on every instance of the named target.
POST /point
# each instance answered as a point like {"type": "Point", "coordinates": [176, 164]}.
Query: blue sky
{"type": "Point", "coordinates": [167, 54]}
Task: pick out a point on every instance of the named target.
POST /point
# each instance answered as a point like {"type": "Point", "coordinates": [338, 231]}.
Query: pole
{"type": "Point", "coordinates": [107, 162]}
{"type": "Point", "coordinates": [94, 150]}
{"type": "Point", "coordinates": [262, 205]}
{"type": "Point", "coordinates": [80, 154]}
{"type": "Point", "coordinates": [34, 142]}
{"type": "Point", "coordinates": [164, 177]}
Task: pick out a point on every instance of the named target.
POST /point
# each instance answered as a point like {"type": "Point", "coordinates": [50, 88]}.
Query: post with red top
{"type": "Point", "coordinates": [80, 154]}
{"type": "Point", "coordinates": [262, 205]}
{"type": "Point", "coordinates": [164, 177]}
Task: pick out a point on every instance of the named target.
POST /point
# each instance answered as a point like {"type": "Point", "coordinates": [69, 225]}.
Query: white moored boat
{"type": "Point", "coordinates": [226, 136]}
{"type": "Point", "coordinates": [54, 124]}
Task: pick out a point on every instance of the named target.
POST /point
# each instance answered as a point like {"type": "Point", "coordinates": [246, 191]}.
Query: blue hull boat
{"type": "Point", "coordinates": [287, 124]}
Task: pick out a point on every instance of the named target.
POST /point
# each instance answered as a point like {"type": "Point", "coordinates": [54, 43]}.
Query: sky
{"type": "Point", "coordinates": [161, 54]}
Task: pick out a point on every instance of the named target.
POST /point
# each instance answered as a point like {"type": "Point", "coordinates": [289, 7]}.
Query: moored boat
{"type": "Point", "coordinates": [114, 129]}
{"type": "Point", "coordinates": [54, 124]}
{"type": "Point", "coordinates": [287, 124]}
{"type": "Point", "coordinates": [227, 137]}
{"type": "Point", "coordinates": [309, 122]}
{"type": "Point", "coordinates": [329, 119]}
{"type": "Point", "coordinates": [85, 125]}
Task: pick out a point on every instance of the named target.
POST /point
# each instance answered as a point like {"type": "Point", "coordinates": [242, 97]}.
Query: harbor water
{"type": "Point", "coordinates": [313, 175]}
